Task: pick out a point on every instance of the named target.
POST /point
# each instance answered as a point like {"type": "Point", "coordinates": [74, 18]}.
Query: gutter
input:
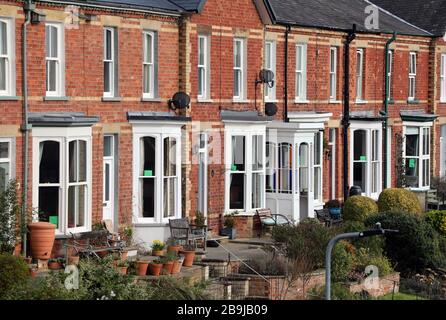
{"type": "Point", "coordinates": [25, 126]}
{"type": "Point", "coordinates": [346, 112]}
{"type": "Point", "coordinates": [385, 111]}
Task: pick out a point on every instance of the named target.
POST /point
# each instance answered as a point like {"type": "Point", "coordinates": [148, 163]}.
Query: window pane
{"type": "Point", "coordinates": [299, 52]}
{"type": "Point", "coordinates": [412, 144]}
{"type": "Point", "coordinates": [360, 146]}
{"type": "Point", "coordinates": [108, 45]}
{"type": "Point", "coordinates": [426, 175]}
{"type": "Point", "coordinates": [412, 172]}
{"type": "Point", "coordinates": [317, 183]}
{"type": "Point", "coordinates": [148, 154]}
{"type": "Point", "coordinates": [257, 190]}
{"type": "Point", "coordinates": [257, 152]}
{"type": "Point", "coordinates": [285, 168]}
{"type": "Point", "coordinates": [426, 142]}
{"type": "Point", "coordinates": [147, 78]}
{"type": "Point", "coordinates": [48, 203]}
{"type": "Point", "coordinates": [4, 175]}
{"type": "Point", "coordinates": [51, 72]}
{"type": "Point", "coordinates": [238, 153]}
{"type": "Point", "coordinates": [268, 55]}
{"type": "Point", "coordinates": [49, 162]}
{"type": "Point", "coordinates": [72, 161]}
{"type": "Point", "coordinates": [237, 54]}
{"type": "Point", "coordinates": [201, 77]}
{"type": "Point", "coordinates": [169, 197]}
{"type": "Point", "coordinates": [270, 167]}
{"type": "Point", "coordinates": [237, 191]}
{"type": "Point", "coordinates": [148, 197]}
{"type": "Point", "coordinates": [149, 49]}
{"type": "Point", "coordinates": [108, 146]}
{"type": "Point", "coordinates": [81, 206]}
{"type": "Point", "coordinates": [71, 207]}
{"type": "Point", "coordinates": [375, 176]}
{"type": "Point", "coordinates": [201, 51]}
{"type": "Point", "coordinates": [53, 42]}
{"type": "Point", "coordinates": [107, 182]}
{"type": "Point", "coordinates": [107, 76]}
{"type": "Point", "coordinates": [170, 147]}
{"type": "Point", "coordinates": [201, 181]}
{"type": "Point", "coordinates": [317, 148]}
{"type": "Point", "coordinates": [237, 82]}
{"type": "Point", "coordinates": [4, 150]}
{"type": "Point", "coordinates": [303, 167]}
{"type": "Point", "coordinates": [359, 174]}
{"type": "Point", "coordinates": [82, 149]}
{"type": "Point", "coordinates": [3, 71]}
{"type": "Point", "coordinates": [4, 38]}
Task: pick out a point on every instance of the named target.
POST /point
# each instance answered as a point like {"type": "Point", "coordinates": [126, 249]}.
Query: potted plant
{"type": "Point", "coordinates": [28, 260]}
{"type": "Point", "coordinates": [177, 264]}
{"type": "Point", "coordinates": [158, 248]}
{"type": "Point", "coordinates": [189, 254]}
{"type": "Point", "coordinates": [168, 261]}
{"type": "Point", "coordinates": [73, 260]}
{"type": "Point", "coordinates": [229, 226]}
{"type": "Point", "coordinates": [155, 267]}
{"type": "Point", "coordinates": [54, 264]}
{"type": "Point", "coordinates": [334, 207]}
{"type": "Point", "coordinates": [42, 236]}
{"type": "Point", "coordinates": [141, 269]}
{"type": "Point", "coordinates": [123, 266]}
{"type": "Point", "coordinates": [173, 245]}
{"type": "Point", "coordinates": [33, 271]}
{"type": "Point", "coordinates": [200, 219]}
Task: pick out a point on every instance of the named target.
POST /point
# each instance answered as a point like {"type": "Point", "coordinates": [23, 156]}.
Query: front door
{"type": "Point", "coordinates": [304, 179]}
{"type": "Point", "coordinates": [109, 179]}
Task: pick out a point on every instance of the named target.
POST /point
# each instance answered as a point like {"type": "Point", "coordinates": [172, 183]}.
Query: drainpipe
{"type": "Point", "coordinates": [384, 112]}
{"type": "Point", "coordinates": [27, 7]}
{"type": "Point", "coordinates": [346, 116]}
{"type": "Point", "coordinates": [285, 112]}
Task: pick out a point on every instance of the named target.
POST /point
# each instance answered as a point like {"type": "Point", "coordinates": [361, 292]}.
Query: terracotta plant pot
{"type": "Point", "coordinates": [33, 272]}
{"type": "Point", "coordinates": [17, 249]}
{"type": "Point", "coordinates": [155, 269]}
{"type": "Point", "coordinates": [142, 268]}
{"type": "Point", "coordinates": [157, 253]}
{"type": "Point", "coordinates": [42, 235]}
{"type": "Point", "coordinates": [73, 260]}
{"type": "Point", "coordinates": [28, 260]}
{"type": "Point", "coordinates": [124, 255]}
{"type": "Point", "coordinates": [54, 265]}
{"type": "Point", "coordinates": [188, 258]}
{"type": "Point", "coordinates": [167, 267]}
{"type": "Point", "coordinates": [177, 266]}
{"type": "Point", "coordinates": [123, 270]}
{"type": "Point", "coordinates": [102, 254]}
{"type": "Point", "coordinates": [174, 248]}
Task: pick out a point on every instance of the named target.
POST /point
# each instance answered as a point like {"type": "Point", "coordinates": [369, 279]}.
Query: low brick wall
{"type": "Point", "coordinates": [247, 226]}
{"type": "Point", "coordinates": [387, 284]}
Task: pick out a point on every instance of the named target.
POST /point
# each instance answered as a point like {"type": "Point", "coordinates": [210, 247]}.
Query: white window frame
{"type": "Point", "coordinates": [10, 87]}
{"type": "Point", "coordinates": [63, 136]}
{"type": "Point", "coordinates": [443, 78]}
{"type": "Point", "coordinates": [159, 131]}
{"type": "Point", "coordinates": [421, 155]}
{"type": "Point", "coordinates": [111, 61]}
{"type": "Point", "coordinates": [360, 75]}
{"type": "Point", "coordinates": [59, 60]}
{"type": "Point", "coordinates": [203, 152]}
{"type": "Point", "coordinates": [270, 47]}
{"type": "Point", "coordinates": [369, 128]}
{"type": "Point", "coordinates": [149, 64]}
{"type": "Point", "coordinates": [301, 72]}
{"type": "Point", "coordinates": [204, 67]}
{"type": "Point", "coordinates": [248, 131]}
{"type": "Point", "coordinates": [333, 73]}
{"type": "Point", "coordinates": [319, 166]}
{"type": "Point", "coordinates": [241, 69]}
{"type": "Point", "coordinates": [390, 55]}
{"type": "Point", "coordinates": [10, 160]}
{"type": "Point", "coordinates": [412, 76]}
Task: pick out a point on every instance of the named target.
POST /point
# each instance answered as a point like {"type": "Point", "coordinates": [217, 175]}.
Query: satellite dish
{"type": "Point", "coordinates": [266, 76]}
{"type": "Point", "coordinates": [270, 109]}
{"type": "Point", "coordinates": [180, 100]}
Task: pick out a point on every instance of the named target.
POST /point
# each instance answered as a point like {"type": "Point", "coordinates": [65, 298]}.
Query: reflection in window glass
{"type": "Point", "coordinates": [271, 167]}
{"type": "Point", "coordinates": [285, 168]}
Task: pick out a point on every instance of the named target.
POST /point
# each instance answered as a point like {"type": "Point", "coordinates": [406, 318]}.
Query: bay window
{"type": "Point", "coordinates": [238, 173]}
{"type": "Point", "coordinates": [257, 172]}
{"type": "Point", "coordinates": [301, 73]}
{"type": "Point", "coordinates": [54, 48]}
{"type": "Point", "coordinates": [7, 57]}
{"type": "Point", "coordinates": [417, 156]}
{"type": "Point", "coordinates": [412, 75]}
{"type": "Point", "coordinates": [6, 161]}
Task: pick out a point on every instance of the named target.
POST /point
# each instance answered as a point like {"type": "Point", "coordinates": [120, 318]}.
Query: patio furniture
{"type": "Point", "coordinates": [324, 216]}
{"type": "Point", "coordinates": [184, 232]}
{"type": "Point", "coordinates": [433, 200]}
{"type": "Point", "coordinates": [269, 219]}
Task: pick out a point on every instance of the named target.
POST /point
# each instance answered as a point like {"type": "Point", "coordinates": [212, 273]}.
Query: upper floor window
{"type": "Point", "coordinates": [389, 73]}
{"type": "Point", "coordinates": [270, 64]}
{"type": "Point", "coordinates": [359, 74]}
{"type": "Point", "coordinates": [412, 75]}
{"type": "Point", "coordinates": [203, 67]}
{"type": "Point", "coordinates": [333, 71]}
{"type": "Point", "coordinates": [110, 62]}
{"type": "Point", "coordinates": [443, 78]}
{"type": "Point", "coordinates": [54, 59]}
{"type": "Point", "coordinates": [149, 64]}
{"type": "Point", "coordinates": [301, 72]}
{"type": "Point", "coordinates": [5, 163]}
{"type": "Point", "coordinates": [7, 63]}
{"type": "Point", "coordinates": [239, 69]}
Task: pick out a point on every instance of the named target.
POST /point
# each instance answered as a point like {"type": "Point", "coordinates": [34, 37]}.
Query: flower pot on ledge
{"type": "Point", "coordinates": [42, 236]}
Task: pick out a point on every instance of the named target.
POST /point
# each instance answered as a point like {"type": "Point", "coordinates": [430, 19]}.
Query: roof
{"type": "Point", "coordinates": [61, 119]}
{"type": "Point", "coordinates": [417, 116]}
{"type": "Point", "coordinates": [161, 6]}
{"type": "Point", "coordinates": [190, 5]}
{"type": "Point", "coordinates": [336, 15]}
{"type": "Point", "coordinates": [249, 116]}
{"type": "Point", "coordinates": [426, 14]}
{"type": "Point", "coordinates": [155, 116]}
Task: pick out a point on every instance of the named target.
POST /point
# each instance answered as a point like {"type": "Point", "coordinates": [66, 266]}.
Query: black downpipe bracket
{"type": "Point", "coordinates": [285, 112]}
{"type": "Point", "coordinates": [346, 114]}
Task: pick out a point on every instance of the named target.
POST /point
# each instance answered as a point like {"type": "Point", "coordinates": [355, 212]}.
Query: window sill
{"type": "Point", "coordinates": [151, 100]}
{"type": "Point", "coordinates": [150, 224]}
{"type": "Point", "coordinates": [296, 101]}
{"type": "Point", "coordinates": [111, 99]}
{"type": "Point", "coordinates": [199, 100]}
{"type": "Point", "coordinates": [413, 101]}
{"type": "Point", "coordinates": [335, 101]}
{"type": "Point", "coordinates": [391, 101]}
{"type": "Point", "coordinates": [361, 102]}
{"type": "Point", "coordinates": [240, 101]}
{"type": "Point", "coordinates": [9, 98]}
{"type": "Point", "coordinates": [50, 98]}
{"type": "Point", "coordinates": [442, 101]}
{"type": "Point", "coordinates": [271, 101]}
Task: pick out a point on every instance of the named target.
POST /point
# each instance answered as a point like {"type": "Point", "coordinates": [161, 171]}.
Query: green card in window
{"type": "Point", "coordinates": [363, 158]}
{"type": "Point", "coordinates": [54, 220]}
{"type": "Point", "coordinates": [233, 167]}
{"type": "Point", "coordinates": [148, 173]}
{"type": "Point", "coordinates": [411, 163]}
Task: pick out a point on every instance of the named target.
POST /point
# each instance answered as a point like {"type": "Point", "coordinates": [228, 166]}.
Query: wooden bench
{"type": "Point", "coordinates": [269, 219]}
{"type": "Point", "coordinates": [184, 232]}
{"type": "Point", "coordinates": [323, 215]}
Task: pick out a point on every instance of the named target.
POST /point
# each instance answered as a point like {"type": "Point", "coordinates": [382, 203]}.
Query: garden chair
{"type": "Point", "coordinates": [185, 233]}
{"type": "Point", "coordinates": [324, 216]}
{"type": "Point", "coordinates": [269, 219]}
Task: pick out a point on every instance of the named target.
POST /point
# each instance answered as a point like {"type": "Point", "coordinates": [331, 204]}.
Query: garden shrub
{"type": "Point", "coordinates": [338, 292]}
{"type": "Point", "coordinates": [342, 262]}
{"type": "Point", "coordinates": [374, 244]}
{"type": "Point", "coordinates": [437, 218]}
{"type": "Point", "coordinates": [14, 273]}
{"type": "Point", "coordinates": [358, 208]}
{"type": "Point", "coordinates": [399, 200]}
{"type": "Point", "coordinates": [364, 257]}
{"type": "Point", "coordinates": [9, 214]}
{"type": "Point", "coordinates": [271, 265]}
{"type": "Point", "coordinates": [415, 247]}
